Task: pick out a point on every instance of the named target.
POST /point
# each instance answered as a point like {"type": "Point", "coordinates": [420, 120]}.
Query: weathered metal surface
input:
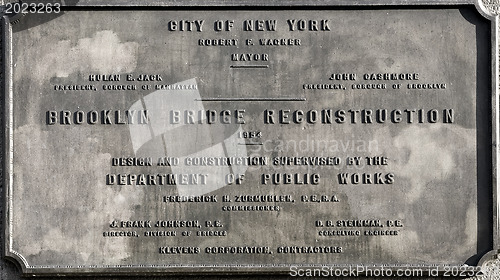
{"type": "Point", "coordinates": [242, 140]}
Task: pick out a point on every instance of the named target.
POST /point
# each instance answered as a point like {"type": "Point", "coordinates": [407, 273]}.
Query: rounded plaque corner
{"type": "Point", "coordinates": [489, 265]}
{"type": "Point", "coordinates": [18, 260]}
{"type": "Point", "coordinates": [493, 255]}
{"type": "Point", "coordinates": [488, 8]}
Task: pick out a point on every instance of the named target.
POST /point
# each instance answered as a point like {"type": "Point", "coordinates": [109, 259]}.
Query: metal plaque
{"type": "Point", "coordinates": [294, 138]}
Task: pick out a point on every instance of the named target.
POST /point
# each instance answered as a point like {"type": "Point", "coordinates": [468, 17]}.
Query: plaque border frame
{"type": "Point", "coordinates": [271, 269]}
